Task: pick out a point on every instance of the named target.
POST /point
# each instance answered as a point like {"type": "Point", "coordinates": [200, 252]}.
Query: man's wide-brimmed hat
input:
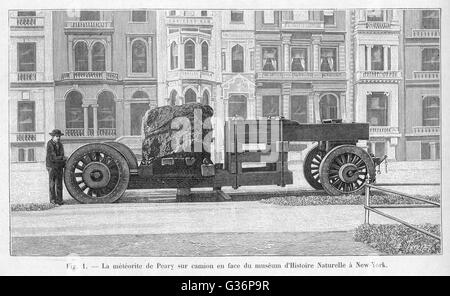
{"type": "Point", "coordinates": [56, 132]}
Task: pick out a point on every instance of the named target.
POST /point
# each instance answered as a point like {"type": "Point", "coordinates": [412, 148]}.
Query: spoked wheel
{"type": "Point", "coordinates": [311, 167]}
{"type": "Point", "coordinates": [345, 169]}
{"type": "Point", "coordinates": [96, 173]}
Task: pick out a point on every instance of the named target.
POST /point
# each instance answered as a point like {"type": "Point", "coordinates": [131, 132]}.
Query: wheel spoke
{"type": "Point", "coordinates": [78, 166]}
{"type": "Point", "coordinates": [89, 192]}
{"type": "Point", "coordinates": [83, 187]}
{"type": "Point", "coordinates": [78, 174]}
{"type": "Point", "coordinates": [314, 173]}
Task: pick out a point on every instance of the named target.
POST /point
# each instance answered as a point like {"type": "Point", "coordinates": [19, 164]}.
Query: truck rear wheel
{"type": "Point", "coordinates": [96, 173]}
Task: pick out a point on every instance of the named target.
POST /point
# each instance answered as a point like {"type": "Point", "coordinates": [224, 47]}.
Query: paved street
{"type": "Point", "coordinates": [150, 223]}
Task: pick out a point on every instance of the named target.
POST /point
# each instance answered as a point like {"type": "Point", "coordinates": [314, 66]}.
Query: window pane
{"type": "Point", "coordinates": [139, 16]}
{"type": "Point", "coordinates": [237, 59]}
{"type": "Point", "coordinates": [377, 57]}
{"type": "Point", "coordinates": [237, 16]}
{"type": "Point", "coordinates": [74, 110]}
{"type": "Point", "coordinates": [204, 56]}
{"type": "Point", "coordinates": [189, 55]}
{"type": "Point", "coordinates": [205, 99]}
{"type": "Point", "coordinates": [430, 59]}
{"type": "Point", "coordinates": [137, 113]}
{"type": "Point", "coordinates": [271, 106]}
{"type": "Point", "coordinates": [81, 57]}
{"type": "Point", "coordinates": [299, 59]}
{"type": "Point", "coordinates": [237, 107]}
{"type": "Point", "coordinates": [328, 17]}
{"type": "Point", "coordinates": [425, 151]}
{"type": "Point", "coordinates": [26, 57]}
{"type": "Point", "coordinates": [375, 15]}
{"type": "Point", "coordinates": [106, 113]}
{"type": "Point", "coordinates": [377, 109]}
{"type": "Point", "coordinates": [31, 154]}
{"type": "Point", "coordinates": [430, 19]}
{"type": "Point", "coordinates": [26, 117]}
{"type": "Point", "coordinates": [204, 13]}
{"type": "Point", "coordinates": [26, 13]}
{"type": "Point", "coordinates": [270, 58]}
{"type": "Point", "coordinates": [140, 95]}
{"type": "Point", "coordinates": [89, 15]}
{"type": "Point", "coordinates": [139, 57]}
{"type": "Point", "coordinates": [431, 111]}
{"type": "Point", "coordinates": [299, 108]}
{"type": "Point", "coordinates": [328, 59]}
{"type": "Point", "coordinates": [190, 96]}
{"type": "Point", "coordinates": [328, 107]}
{"type": "Point", "coordinates": [21, 154]}
{"type": "Point", "coordinates": [98, 57]}
{"type": "Point", "coordinates": [173, 56]}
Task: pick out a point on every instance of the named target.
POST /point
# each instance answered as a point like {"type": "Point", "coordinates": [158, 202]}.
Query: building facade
{"type": "Point", "coordinates": [105, 73]}
{"type": "Point", "coordinates": [421, 100]}
{"type": "Point", "coordinates": [31, 105]}
{"type": "Point", "coordinates": [377, 77]}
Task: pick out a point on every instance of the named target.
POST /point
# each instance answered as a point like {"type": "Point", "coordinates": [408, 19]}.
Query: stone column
{"type": "Point", "coordinates": [86, 118]}
{"type": "Point", "coordinates": [316, 53]}
{"type": "Point", "coordinates": [70, 56]}
{"type": "Point", "coordinates": [433, 152]}
{"type": "Point", "coordinates": [385, 57]}
{"type": "Point", "coordinates": [285, 93]}
{"type": "Point", "coordinates": [369, 57]}
{"type": "Point", "coordinates": [342, 111]}
{"type": "Point", "coordinates": [286, 40]}
{"type": "Point", "coordinates": [108, 56]}
{"type": "Point", "coordinates": [394, 58]}
{"type": "Point", "coordinates": [94, 112]}
{"type": "Point", "coordinates": [317, 118]}
{"type": "Point", "coordinates": [258, 105]}
{"type": "Point", "coordinates": [251, 107]}
{"type": "Point", "coordinates": [311, 108]}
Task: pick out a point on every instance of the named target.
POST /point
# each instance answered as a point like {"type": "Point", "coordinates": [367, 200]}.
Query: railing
{"type": "Point", "coordinates": [86, 25]}
{"type": "Point", "coordinates": [302, 25]}
{"type": "Point", "coordinates": [383, 130]}
{"type": "Point", "coordinates": [426, 33]}
{"type": "Point", "coordinates": [89, 75]}
{"type": "Point", "coordinates": [189, 20]}
{"type": "Point", "coordinates": [378, 74]}
{"type": "Point", "coordinates": [26, 21]}
{"type": "Point", "coordinates": [80, 132]}
{"type": "Point", "coordinates": [373, 208]}
{"type": "Point", "coordinates": [190, 74]}
{"type": "Point", "coordinates": [28, 137]}
{"type": "Point", "coordinates": [26, 76]}
{"type": "Point", "coordinates": [378, 25]}
{"type": "Point", "coordinates": [426, 75]}
{"type": "Point", "coordinates": [426, 130]}
{"type": "Point", "coordinates": [300, 75]}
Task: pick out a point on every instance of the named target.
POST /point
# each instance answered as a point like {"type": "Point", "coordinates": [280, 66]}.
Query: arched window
{"type": "Point", "coordinates": [328, 107]}
{"type": "Point", "coordinates": [98, 57]}
{"type": "Point", "coordinates": [106, 113]}
{"type": "Point", "coordinates": [430, 111]}
{"type": "Point", "coordinates": [173, 98]}
{"type": "Point", "coordinates": [189, 55]}
{"type": "Point", "coordinates": [74, 110]}
{"type": "Point", "coordinates": [173, 56]}
{"type": "Point", "coordinates": [140, 95]}
{"type": "Point", "coordinates": [139, 57]}
{"type": "Point", "coordinates": [81, 54]}
{"type": "Point", "coordinates": [190, 96]}
{"type": "Point", "coordinates": [205, 98]}
{"type": "Point", "coordinates": [204, 56]}
{"type": "Point", "coordinates": [237, 59]}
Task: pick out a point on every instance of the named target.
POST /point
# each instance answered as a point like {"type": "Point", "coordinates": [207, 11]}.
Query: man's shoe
{"type": "Point", "coordinates": [60, 203]}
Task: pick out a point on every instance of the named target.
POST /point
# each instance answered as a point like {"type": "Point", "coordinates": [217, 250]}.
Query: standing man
{"type": "Point", "coordinates": [55, 162]}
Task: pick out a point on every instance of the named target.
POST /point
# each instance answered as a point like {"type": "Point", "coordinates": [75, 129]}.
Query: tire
{"type": "Point", "coordinates": [311, 167]}
{"type": "Point", "coordinates": [345, 169]}
{"type": "Point", "coordinates": [96, 173]}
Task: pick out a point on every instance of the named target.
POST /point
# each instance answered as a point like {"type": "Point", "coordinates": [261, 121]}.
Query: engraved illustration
{"type": "Point", "coordinates": [200, 133]}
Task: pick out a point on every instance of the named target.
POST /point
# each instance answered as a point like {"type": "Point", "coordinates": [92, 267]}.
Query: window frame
{"type": "Point", "coordinates": [278, 103]}
{"type": "Point", "coordinates": [336, 97]}
{"type": "Point", "coordinates": [303, 99]}
{"type": "Point", "coordinates": [334, 19]}
{"type": "Point", "coordinates": [336, 49]}
{"type": "Point", "coordinates": [139, 22]}
{"type": "Point", "coordinates": [424, 107]}
{"type": "Point", "coordinates": [92, 55]}
{"type": "Point", "coordinates": [205, 56]}
{"type": "Point", "coordinates": [34, 48]}
{"type": "Point", "coordinates": [233, 53]}
{"type": "Point", "coordinates": [423, 18]}
{"type": "Point", "coordinates": [264, 21]}
{"type": "Point", "coordinates": [148, 68]}
{"type": "Point", "coordinates": [232, 101]}
{"type": "Point", "coordinates": [191, 55]}
{"type": "Point", "coordinates": [383, 16]}
{"type": "Point", "coordinates": [241, 12]}
{"type": "Point", "coordinates": [436, 63]}
{"type": "Point", "coordinates": [31, 114]}
{"type": "Point", "coordinates": [379, 110]}
{"type": "Point", "coordinates": [295, 47]}
{"type": "Point", "coordinates": [277, 59]}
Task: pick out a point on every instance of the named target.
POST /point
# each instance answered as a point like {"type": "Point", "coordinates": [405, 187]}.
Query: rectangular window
{"type": "Point", "coordinates": [89, 15]}
{"type": "Point", "coordinates": [269, 17]}
{"type": "Point", "coordinates": [252, 60]}
{"type": "Point", "coordinates": [430, 19]}
{"type": "Point", "coordinates": [377, 111]}
{"type": "Point", "coordinates": [299, 59]}
{"type": "Point", "coordinates": [21, 155]}
{"type": "Point", "coordinates": [26, 57]}
{"type": "Point", "coordinates": [137, 111]}
{"type": "Point", "coordinates": [328, 59]}
{"type": "Point", "coordinates": [328, 17]}
{"type": "Point", "coordinates": [204, 13]}
{"type": "Point", "coordinates": [271, 106]}
{"type": "Point", "coordinates": [380, 149]}
{"type": "Point", "coordinates": [430, 59]}
{"type": "Point", "coordinates": [237, 107]}
{"type": "Point", "coordinates": [375, 15]}
{"type": "Point", "coordinates": [31, 154]}
{"type": "Point", "coordinates": [224, 62]}
{"type": "Point", "coordinates": [430, 111]}
{"type": "Point", "coordinates": [377, 56]}
{"type": "Point", "coordinates": [270, 58]}
{"type": "Point", "coordinates": [237, 16]}
{"type": "Point", "coordinates": [172, 13]}
{"type": "Point", "coordinates": [139, 16]}
{"type": "Point", "coordinates": [425, 151]}
{"type": "Point", "coordinates": [26, 13]}
{"type": "Point", "coordinates": [26, 116]}
{"type": "Point", "coordinates": [299, 108]}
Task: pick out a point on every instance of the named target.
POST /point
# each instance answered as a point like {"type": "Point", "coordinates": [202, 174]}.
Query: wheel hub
{"type": "Point", "coordinates": [96, 175]}
{"type": "Point", "coordinates": [348, 173]}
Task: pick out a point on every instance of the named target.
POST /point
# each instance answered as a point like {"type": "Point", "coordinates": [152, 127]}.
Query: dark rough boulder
{"type": "Point", "coordinates": [158, 131]}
